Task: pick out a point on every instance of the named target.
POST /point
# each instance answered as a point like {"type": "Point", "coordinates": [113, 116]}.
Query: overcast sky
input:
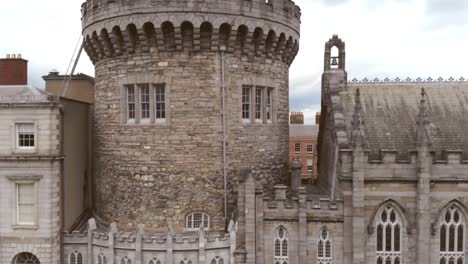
{"type": "Point", "coordinates": [384, 38]}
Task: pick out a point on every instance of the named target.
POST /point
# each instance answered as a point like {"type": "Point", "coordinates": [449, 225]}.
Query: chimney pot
{"type": "Point", "coordinates": [13, 56]}
{"type": "Point", "coordinates": [8, 56]}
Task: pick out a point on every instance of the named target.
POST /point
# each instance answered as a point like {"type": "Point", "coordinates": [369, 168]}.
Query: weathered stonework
{"type": "Point", "coordinates": [157, 174]}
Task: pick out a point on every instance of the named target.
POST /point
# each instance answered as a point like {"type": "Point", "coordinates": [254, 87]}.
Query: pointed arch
{"type": "Point", "coordinates": [281, 245]}
{"type": "Point", "coordinates": [389, 235]}
{"type": "Point", "coordinates": [154, 261]}
{"type": "Point", "coordinates": [439, 215]}
{"type": "Point", "coordinates": [26, 258]}
{"type": "Point", "coordinates": [101, 259]}
{"type": "Point", "coordinates": [398, 207]}
{"type": "Point", "coordinates": [75, 257]}
{"type": "Point", "coordinates": [324, 246]}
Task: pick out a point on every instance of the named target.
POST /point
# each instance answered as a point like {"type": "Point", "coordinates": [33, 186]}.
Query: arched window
{"type": "Point", "coordinates": [101, 259]}
{"type": "Point", "coordinates": [281, 246]}
{"type": "Point", "coordinates": [452, 237]}
{"type": "Point", "coordinates": [26, 258]}
{"type": "Point", "coordinates": [76, 258]}
{"type": "Point", "coordinates": [154, 261]}
{"type": "Point", "coordinates": [197, 220]}
{"type": "Point", "coordinates": [217, 260]}
{"type": "Point", "coordinates": [388, 236]}
{"type": "Point", "coordinates": [185, 261]}
{"type": "Point", "coordinates": [324, 247]}
{"type": "Point", "coordinates": [126, 260]}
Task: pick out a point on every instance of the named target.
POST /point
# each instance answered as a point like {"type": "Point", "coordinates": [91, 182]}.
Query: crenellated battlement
{"type": "Point", "coordinates": [251, 28]}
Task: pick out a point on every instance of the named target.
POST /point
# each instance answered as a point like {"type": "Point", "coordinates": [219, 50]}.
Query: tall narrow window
{"type": "Point", "coordinates": [130, 103]}
{"type": "Point", "coordinates": [160, 93]}
{"type": "Point", "coordinates": [324, 247]}
{"type": "Point", "coordinates": [452, 237]}
{"type": "Point", "coordinates": [310, 148]}
{"type": "Point", "coordinates": [197, 220]}
{"type": "Point", "coordinates": [269, 103]}
{"type": "Point", "coordinates": [76, 258]}
{"type": "Point", "coordinates": [25, 203]}
{"type": "Point", "coordinates": [388, 237]}
{"type": "Point", "coordinates": [310, 164]}
{"type": "Point", "coordinates": [26, 135]}
{"type": "Point", "coordinates": [281, 246]}
{"type": "Point", "coordinates": [246, 103]}
{"type": "Point", "coordinates": [297, 148]}
{"type": "Point", "coordinates": [154, 261]}
{"type": "Point", "coordinates": [185, 261]}
{"type": "Point", "coordinates": [101, 259]}
{"type": "Point", "coordinates": [144, 103]}
{"type": "Point", "coordinates": [126, 260]}
{"type": "Point", "coordinates": [258, 103]}
{"type": "Point", "coordinates": [217, 260]}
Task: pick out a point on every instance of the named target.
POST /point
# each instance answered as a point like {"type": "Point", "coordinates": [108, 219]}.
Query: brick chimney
{"type": "Point", "coordinates": [13, 70]}
{"type": "Point", "coordinates": [297, 118]}
{"type": "Point", "coordinates": [317, 118]}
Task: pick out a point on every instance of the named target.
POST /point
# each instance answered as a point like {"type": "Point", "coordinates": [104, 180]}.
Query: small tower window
{"type": "Point", "coordinates": [197, 220]}
{"type": "Point", "coordinates": [335, 57]}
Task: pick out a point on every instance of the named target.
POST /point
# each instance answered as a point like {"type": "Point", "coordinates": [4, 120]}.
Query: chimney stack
{"type": "Point", "coordinates": [317, 118]}
{"type": "Point", "coordinates": [13, 70]}
{"type": "Point", "coordinates": [297, 118]}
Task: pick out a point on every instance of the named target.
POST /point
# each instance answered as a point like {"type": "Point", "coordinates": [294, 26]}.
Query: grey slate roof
{"type": "Point", "coordinates": [390, 109]}
{"type": "Point", "coordinates": [303, 131]}
{"type": "Point", "coordinates": [22, 94]}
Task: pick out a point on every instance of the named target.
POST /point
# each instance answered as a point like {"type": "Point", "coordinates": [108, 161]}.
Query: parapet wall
{"type": "Point", "coordinates": [245, 27]}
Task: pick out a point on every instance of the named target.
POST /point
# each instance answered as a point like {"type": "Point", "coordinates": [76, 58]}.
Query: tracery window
{"type": "Point", "coordinates": [452, 237]}
{"type": "Point", "coordinates": [281, 246]}
{"type": "Point", "coordinates": [101, 259]}
{"type": "Point", "coordinates": [324, 247]}
{"type": "Point", "coordinates": [185, 261]}
{"type": "Point", "coordinates": [26, 258]}
{"type": "Point", "coordinates": [154, 261]}
{"type": "Point", "coordinates": [217, 260]}
{"type": "Point", "coordinates": [126, 260]}
{"type": "Point", "coordinates": [388, 236]}
{"type": "Point", "coordinates": [75, 258]}
{"type": "Point", "coordinates": [197, 220]}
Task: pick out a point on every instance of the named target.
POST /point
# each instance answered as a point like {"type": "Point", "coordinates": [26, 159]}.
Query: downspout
{"type": "Point", "coordinates": [223, 115]}
{"type": "Point", "coordinates": [335, 163]}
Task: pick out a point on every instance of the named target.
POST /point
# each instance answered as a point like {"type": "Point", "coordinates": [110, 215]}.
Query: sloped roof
{"type": "Point", "coordinates": [303, 131]}
{"type": "Point", "coordinates": [22, 94]}
{"type": "Point", "coordinates": [390, 109]}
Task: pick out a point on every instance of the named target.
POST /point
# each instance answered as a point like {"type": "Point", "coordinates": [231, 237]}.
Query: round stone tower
{"type": "Point", "coordinates": [187, 93]}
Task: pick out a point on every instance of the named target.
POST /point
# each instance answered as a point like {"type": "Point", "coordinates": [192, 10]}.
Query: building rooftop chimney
{"type": "Point", "coordinates": [297, 118]}
{"type": "Point", "coordinates": [13, 70]}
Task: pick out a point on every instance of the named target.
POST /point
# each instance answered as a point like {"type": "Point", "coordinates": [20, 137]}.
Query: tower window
{"type": "Point", "coordinates": [246, 103]}
{"type": "Point", "coordinates": [197, 220]}
{"type": "Point", "coordinates": [145, 103]}
{"type": "Point", "coordinates": [130, 89]}
{"type": "Point", "coordinates": [151, 101]}
{"type": "Point", "coordinates": [257, 104]}
{"type": "Point", "coordinates": [160, 101]}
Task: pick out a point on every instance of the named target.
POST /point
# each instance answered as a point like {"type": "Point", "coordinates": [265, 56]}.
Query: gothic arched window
{"type": "Point", "coordinates": [76, 258]}
{"type": "Point", "coordinates": [388, 234]}
{"type": "Point", "coordinates": [452, 237]}
{"type": "Point", "coordinates": [126, 260]}
{"type": "Point", "coordinates": [324, 247]}
{"type": "Point", "coordinates": [101, 259]}
{"type": "Point", "coordinates": [154, 261]}
{"type": "Point", "coordinates": [185, 261]}
{"type": "Point", "coordinates": [281, 246]}
{"type": "Point", "coordinates": [26, 258]}
{"type": "Point", "coordinates": [217, 260]}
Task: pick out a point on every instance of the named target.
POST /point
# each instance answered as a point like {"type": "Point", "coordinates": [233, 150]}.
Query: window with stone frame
{"type": "Point", "coordinates": [257, 104]}
{"type": "Point", "coordinates": [324, 247]}
{"type": "Point", "coordinates": [452, 237]}
{"type": "Point", "coordinates": [25, 135]}
{"type": "Point", "coordinates": [185, 261]}
{"type": "Point", "coordinates": [297, 148]}
{"type": "Point", "coordinates": [196, 220]}
{"type": "Point", "coordinates": [25, 203]}
{"type": "Point", "coordinates": [101, 259]}
{"type": "Point", "coordinates": [310, 148]}
{"type": "Point", "coordinates": [75, 257]}
{"type": "Point", "coordinates": [388, 236]}
{"type": "Point", "coordinates": [125, 260]}
{"type": "Point", "coordinates": [217, 260]}
{"type": "Point", "coordinates": [310, 164]}
{"type": "Point", "coordinates": [26, 258]}
{"type": "Point", "coordinates": [281, 248]}
{"type": "Point", "coordinates": [154, 261]}
{"type": "Point", "coordinates": [145, 103]}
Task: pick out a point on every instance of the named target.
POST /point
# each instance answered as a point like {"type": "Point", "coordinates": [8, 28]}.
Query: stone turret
{"type": "Point", "coordinates": [187, 92]}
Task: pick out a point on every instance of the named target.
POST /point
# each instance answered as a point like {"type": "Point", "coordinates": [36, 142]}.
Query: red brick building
{"type": "Point", "coordinates": [303, 144]}
{"type": "Point", "coordinates": [13, 70]}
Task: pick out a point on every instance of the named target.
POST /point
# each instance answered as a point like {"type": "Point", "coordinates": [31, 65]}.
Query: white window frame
{"type": "Point", "coordinates": [101, 259]}
{"type": "Point", "coordinates": [217, 260]}
{"type": "Point", "coordinates": [311, 147]}
{"type": "Point", "coordinates": [281, 240]}
{"type": "Point", "coordinates": [156, 86]}
{"type": "Point", "coordinates": [154, 261]}
{"type": "Point", "coordinates": [324, 239]}
{"type": "Point", "coordinates": [296, 148]}
{"type": "Point", "coordinates": [312, 165]}
{"type": "Point", "coordinates": [134, 103]}
{"type": "Point", "coordinates": [141, 86]}
{"type": "Point", "coordinates": [258, 105]}
{"type": "Point", "coordinates": [190, 218]}
{"type": "Point", "coordinates": [393, 254]}
{"type": "Point", "coordinates": [269, 105]}
{"type": "Point", "coordinates": [17, 180]}
{"type": "Point", "coordinates": [455, 254]}
{"type": "Point", "coordinates": [185, 261]}
{"type": "Point", "coordinates": [138, 102]}
{"type": "Point", "coordinates": [126, 260]}
{"type": "Point", "coordinates": [247, 102]}
{"type": "Point", "coordinates": [17, 148]}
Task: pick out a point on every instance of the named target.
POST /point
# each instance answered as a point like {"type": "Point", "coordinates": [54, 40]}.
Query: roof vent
{"type": "Point", "coordinates": [53, 72]}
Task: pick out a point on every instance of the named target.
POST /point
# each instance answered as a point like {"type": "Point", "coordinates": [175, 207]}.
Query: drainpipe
{"type": "Point", "coordinates": [222, 49]}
